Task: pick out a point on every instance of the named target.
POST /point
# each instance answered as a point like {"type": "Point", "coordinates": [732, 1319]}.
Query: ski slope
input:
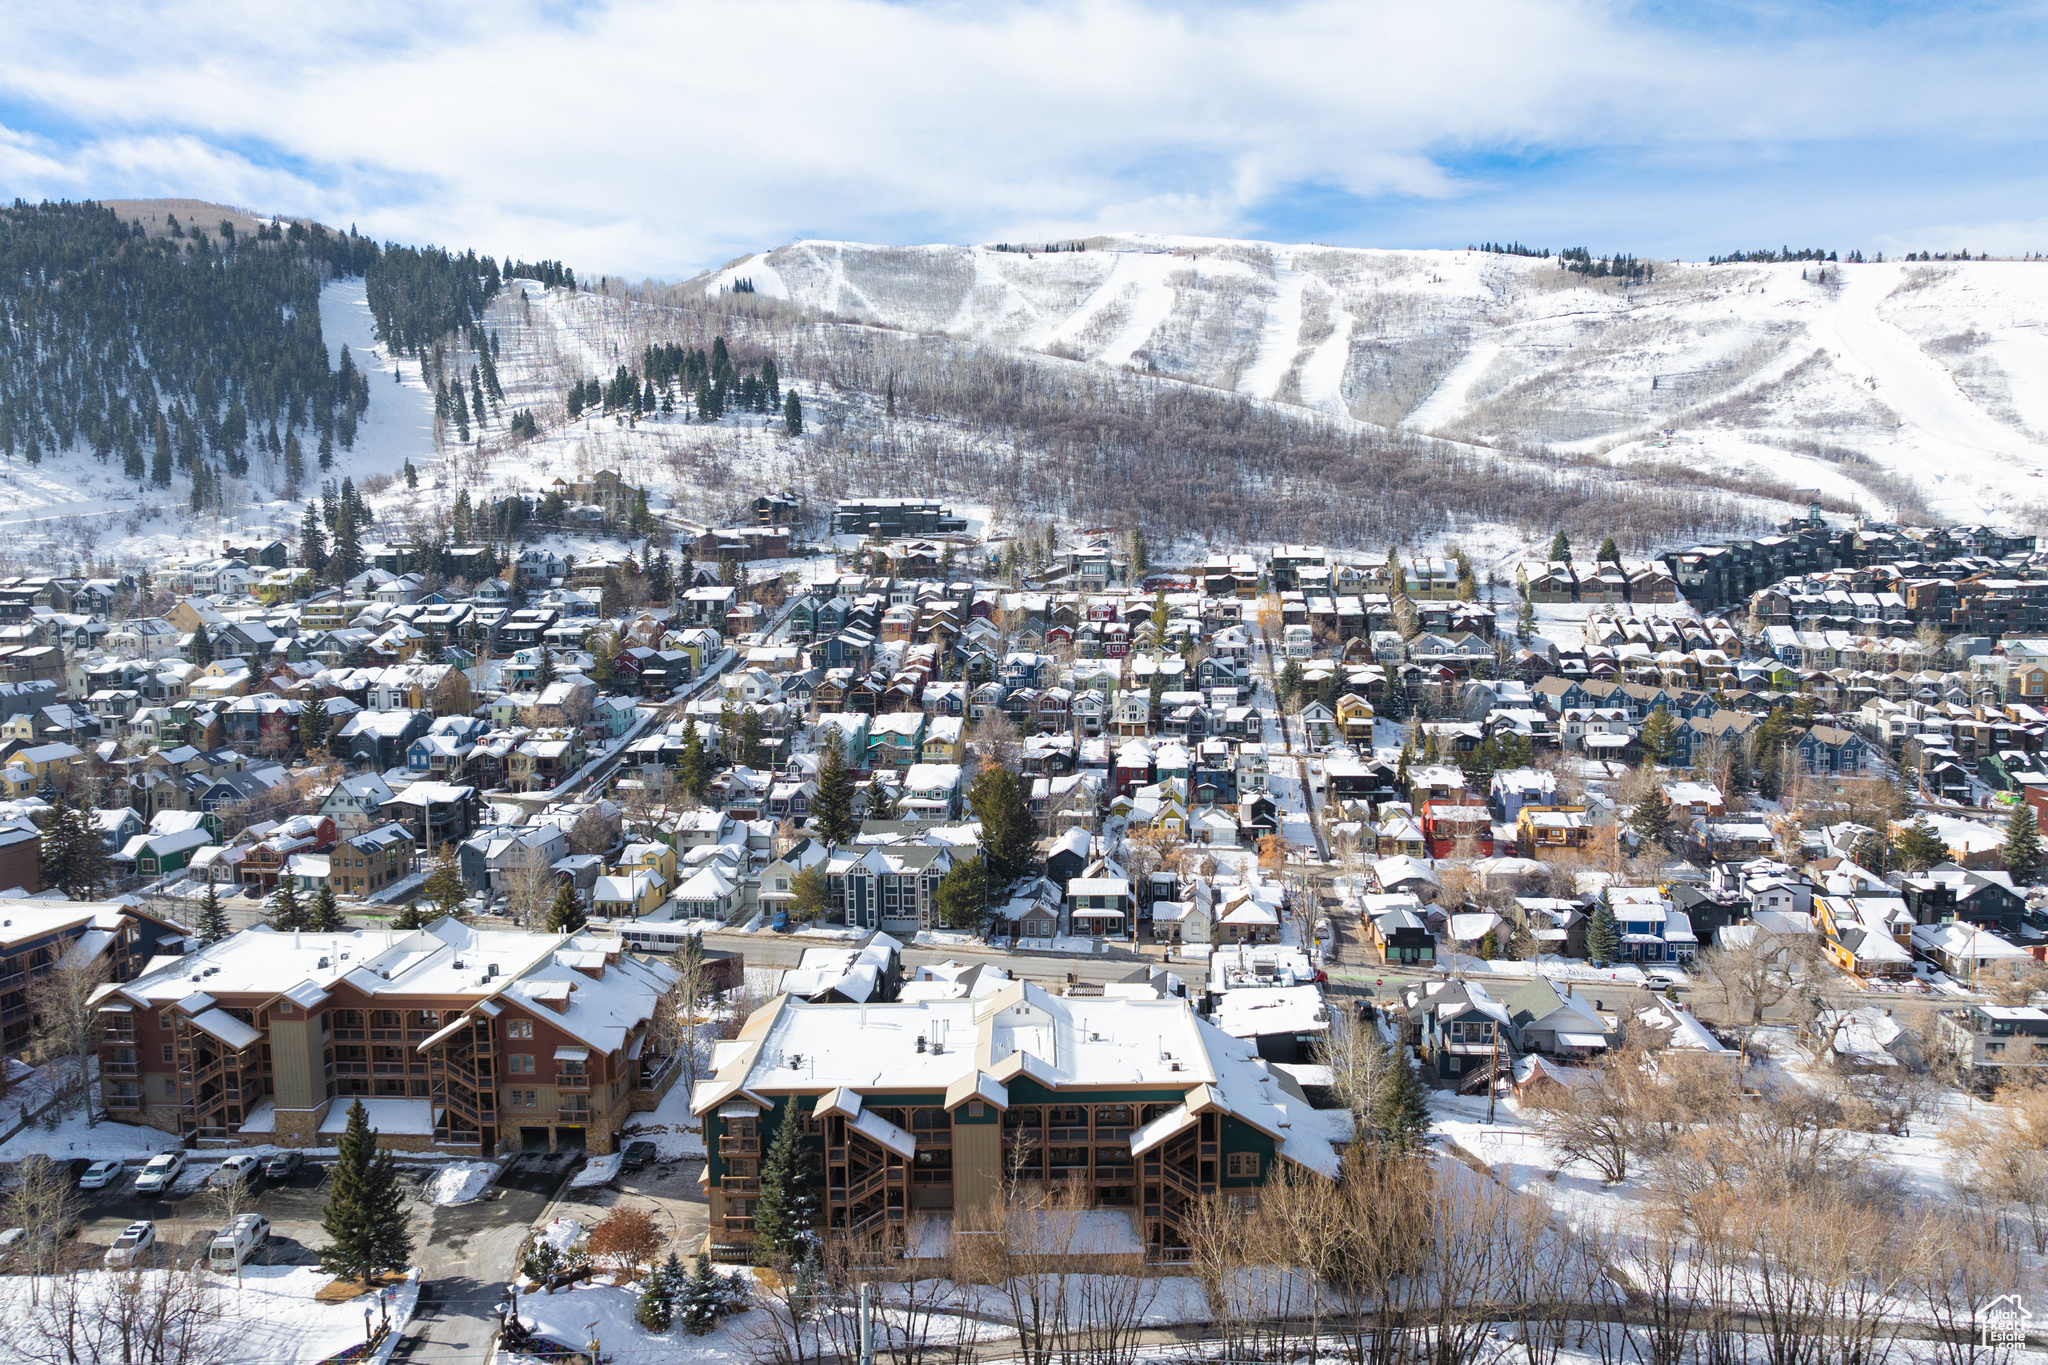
{"type": "Point", "coordinates": [1934, 373]}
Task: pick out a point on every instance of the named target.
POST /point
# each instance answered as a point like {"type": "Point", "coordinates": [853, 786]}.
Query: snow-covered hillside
{"type": "Point", "coordinates": [71, 510]}
{"type": "Point", "coordinates": [1871, 382]}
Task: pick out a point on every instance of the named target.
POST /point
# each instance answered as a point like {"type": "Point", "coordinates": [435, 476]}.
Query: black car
{"type": "Point", "coordinates": [637, 1155]}
{"type": "Point", "coordinates": [283, 1166]}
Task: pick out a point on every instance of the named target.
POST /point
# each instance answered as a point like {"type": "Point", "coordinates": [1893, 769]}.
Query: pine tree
{"type": "Point", "coordinates": [544, 668]}
{"type": "Point", "coordinates": [411, 917]}
{"type": "Point", "coordinates": [1603, 939]}
{"type": "Point", "coordinates": [963, 894]}
{"type": "Point", "coordinates": [286, 913]}
{"type": "Point", "coordinates": [832, 808]}
{"type": "Point", "coordinates": [86, 851]}
{"type": "Point", "coordinates": [1651, 818]}
{"type": "Point", "coordinates": [412, 476]}
{"type": "Point", "coordinates": [1917, 846]}
{"type": "Point", "coordinates": [1009, 840]}
{"type": "Point", "coordinates": [365, 1213]}
{"type": "Point", "coordinates": [750, 737]}
{"type": "Point", "coordinates": [656, 1309]}
{"type": "Point", "coordinates": [1560, 548]}
{"type": "Point", "coordinates": [566, 915]}
{"type": "Point", "coordinates": [694, 769]}
{"type": "Point", "coordinates": [313, 727]}
{"type": "Point", "coordinates": [1657, 737]}
{"type": "Point", "coordinates": [202, 645]}
{"type": "Point", "coordinates": [444, 885]}
{"type": "Point", "coordinates": [160, 459]}
{"type": "Point", "coordinates": [2022, 844]}
{"type": "Point", "coordinates": [792, 415]}
{"type": "Point", "coordinates": [1400, 1111]}
{"type": "Point", "coordinates": [781, 1225]}
{"type": "Point", "coordinates": [1608, 553]}
{"type": "Point", "coordinates": [700, 1308]}
{"type": "Point", "coordinates": [313, 539]}
{"type": "Point", "coordinates": [294, 466]}
{"type": "Point", "coordinates": [347, 558]}
{"type": "Point", "coordinates": [213, 918]}
{"type": "Point", "coordinates": [325, 916]}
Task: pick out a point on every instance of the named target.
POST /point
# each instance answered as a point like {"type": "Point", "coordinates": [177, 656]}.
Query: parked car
{"type": "Point", "coordinates": [133, 1243]}
{"type": "Point", "coordinates": [638, 1154]}
{"type": "Point", "coordinates": [161, 1173]}
{"type": "Point", "coordinates": [99, 1175]}
{"type": "Point", "coordinates": [283, 1166]}
{"type": "Point", "coordinates": [16, 1243]}
{"type": "Point", "coordinates": [1665, 978]}
{"type": "Point", "coordinates": [237, 1242]}
{"type": "Point", "coordinates": [236, 1170]}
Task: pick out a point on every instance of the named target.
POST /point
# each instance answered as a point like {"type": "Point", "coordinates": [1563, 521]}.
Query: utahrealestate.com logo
{"type": "Point", "coordinates": [2004, 1321]}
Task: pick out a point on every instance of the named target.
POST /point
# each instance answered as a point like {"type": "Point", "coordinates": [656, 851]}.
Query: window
{"type": "Point", "coordinates": [1243, 1203]}
{"type": "Point", "coordinates": [1242, 1165]}
{"type": "Point", "coordinates": [284, 1007]}
{"type": "Point", "coordinates": [525, 1099]}
{"type": "Point", "coordinates": [163, 1021]}
{"type": "Point", "coordinates": [167, 1054]}
{"type": "Point", "coordinates": [522, 1064]}
{"type": "Point", "coordinates": [519, 1028]}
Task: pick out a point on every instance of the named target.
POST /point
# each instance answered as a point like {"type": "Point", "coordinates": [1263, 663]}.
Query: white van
{"type": "Point", "coordinates": [237, 1242]}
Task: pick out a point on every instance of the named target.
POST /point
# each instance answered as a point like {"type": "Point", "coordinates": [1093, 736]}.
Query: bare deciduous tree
{"type": "Point", "coordinates": [67, 1020]}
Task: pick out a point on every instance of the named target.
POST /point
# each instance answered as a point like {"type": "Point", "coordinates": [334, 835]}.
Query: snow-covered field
{"type": "Point", "coordinates": [268, 1315]}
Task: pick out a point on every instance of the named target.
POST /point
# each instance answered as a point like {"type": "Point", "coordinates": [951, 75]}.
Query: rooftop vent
{"type": "Point", "coordinates": [796, 1061]}
{"type": "Point", "coordinates": [458, 964]}
{"type": "Point", "coordinates": [920, 1042]}
{"type": "Point", "coordinates": [323, 962]}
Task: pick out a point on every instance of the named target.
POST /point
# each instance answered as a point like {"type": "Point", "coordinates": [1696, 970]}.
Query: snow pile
{"type": "Point", "coordinates": [561, 1234]}
{"type": "Point", "coordinates": [601, 1170]}
{"type": "Point", "coordinates": [463, 1182]}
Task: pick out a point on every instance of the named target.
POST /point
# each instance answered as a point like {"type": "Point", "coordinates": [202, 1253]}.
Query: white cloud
{"type": "Point", "coordinates": [652, 136]}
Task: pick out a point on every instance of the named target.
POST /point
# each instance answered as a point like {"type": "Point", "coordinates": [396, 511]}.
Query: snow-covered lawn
{"type": "Point", "coordinates": [669, 1126]}
{"type": "Point", "coordinates": [269, 1315]}
{"type": "Point", "coordinates": [102, 1142]}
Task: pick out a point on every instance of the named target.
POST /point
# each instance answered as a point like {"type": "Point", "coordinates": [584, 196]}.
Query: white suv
{"type": "Point", "coordinates": [161, 1173]}
{"type": "Point", "coordinates": [236, 1170]}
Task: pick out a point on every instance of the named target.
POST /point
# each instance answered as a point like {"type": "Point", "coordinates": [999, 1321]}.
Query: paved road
{"type": "Point", "coordinates": [465, 1254]}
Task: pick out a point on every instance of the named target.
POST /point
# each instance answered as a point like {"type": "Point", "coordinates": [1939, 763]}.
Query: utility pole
{"type": "Point", "coordinates": [867, 1325]}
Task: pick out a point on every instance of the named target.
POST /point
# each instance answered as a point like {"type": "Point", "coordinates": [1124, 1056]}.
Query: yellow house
{"type": "Point", "coordinates": [649, 857]}
{"type": "Point", "coordinates": [222, 678]}
{"type": "Point", "coordinates": [52, 761]}
{"type": "Point", "coordinates": [22, 727]}
{"type": "Point", "coordinates": [1355, 718]}
{"type": "Point", "coordinates": [944, 741]}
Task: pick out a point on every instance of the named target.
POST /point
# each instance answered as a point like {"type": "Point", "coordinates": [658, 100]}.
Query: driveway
{"type": "Point", "coordinates": [466, 1257]}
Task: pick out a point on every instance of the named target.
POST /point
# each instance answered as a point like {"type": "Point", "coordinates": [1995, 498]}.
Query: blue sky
{"type": "Point", "coordinates": [657, 139]}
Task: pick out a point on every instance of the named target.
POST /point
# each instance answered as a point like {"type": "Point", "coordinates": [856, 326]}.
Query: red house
{"type": "Point", "coordinates": [1453, 829]}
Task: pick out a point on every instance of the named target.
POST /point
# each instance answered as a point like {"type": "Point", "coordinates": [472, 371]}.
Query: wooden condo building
{"type": "Point", "coordinates": [473, 1041]}
{"type": "Point", "coordinates": [934, 1107]}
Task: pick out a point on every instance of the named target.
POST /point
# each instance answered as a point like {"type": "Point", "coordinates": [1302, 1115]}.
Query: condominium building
{"type": "Point", "coordinates": [940, 1104]}
{"type": "Point", "coordinates": [476, 1040]}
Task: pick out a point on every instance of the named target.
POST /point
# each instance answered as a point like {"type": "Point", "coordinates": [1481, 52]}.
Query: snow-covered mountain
{"type": "Point", "coordinates": [1877, 383]}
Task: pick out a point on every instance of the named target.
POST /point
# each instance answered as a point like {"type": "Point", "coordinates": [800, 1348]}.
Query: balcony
{"type": "Point", "coordinates": [573, 1116]}
{"type": "Point", "coordinates": [574, 1080]}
